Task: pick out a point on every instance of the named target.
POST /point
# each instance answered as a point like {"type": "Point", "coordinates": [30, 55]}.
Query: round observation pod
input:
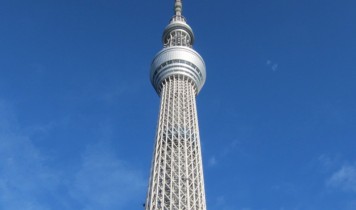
{"type": "Point", "coordinates": [178, 60]}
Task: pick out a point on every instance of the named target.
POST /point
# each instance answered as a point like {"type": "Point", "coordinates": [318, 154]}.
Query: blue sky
{"type": "Point", "coordinates": [277, 114]}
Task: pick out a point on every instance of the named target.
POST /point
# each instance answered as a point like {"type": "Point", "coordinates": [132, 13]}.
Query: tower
{"type": "Point", "coordinates": [177, 74]}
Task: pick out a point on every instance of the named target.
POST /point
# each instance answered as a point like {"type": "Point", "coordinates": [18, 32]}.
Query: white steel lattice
{"type": "Point", "coordinates": [176, 181]}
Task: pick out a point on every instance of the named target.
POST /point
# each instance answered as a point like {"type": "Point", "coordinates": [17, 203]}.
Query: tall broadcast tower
{"type": "Point", "coordinates": [177, 74]}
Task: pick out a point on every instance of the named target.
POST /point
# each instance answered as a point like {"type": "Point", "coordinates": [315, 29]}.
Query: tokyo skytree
{"type": "Point", "coordinates": [177, 74]}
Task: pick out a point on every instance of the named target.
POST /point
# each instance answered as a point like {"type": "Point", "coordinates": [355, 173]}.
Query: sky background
{"type": "Point", "coordinates": [277, 114]}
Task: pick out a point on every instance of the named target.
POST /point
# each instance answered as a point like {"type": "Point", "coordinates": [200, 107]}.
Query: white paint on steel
{"type": "Point", "coordinates": [177, 181]}
{"type": "Point", "coordinates": [178, 60]}
{"type": "Point", "coordinates": [177, 74]}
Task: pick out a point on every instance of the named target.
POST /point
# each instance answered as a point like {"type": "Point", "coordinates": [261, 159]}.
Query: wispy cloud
{"type": "Point", "coordinates": [212, 161]}
{"type": "Point", "coordinates": [24, 176]}
{"type": "Point", "coordinates": [220, 200]}
{"type": "Point", "coordinates": [123, 88]}
{"type": "Point", "coordinates": [230, 147]}
{"type": "Point", "coordinates": [273, 65]}
{"type": "Point", "coordinates": [29, 180]}
{"type": "Point", "coordinates": [104, 181]}
{"type": "Point", "coordinates": [326, 161]}
{"type": "Point", "coordinates": [222, 203]}
{"type": "Point", "coordinates": [344, 178]}
{"type": "Point", "coordinates": [287, 188]}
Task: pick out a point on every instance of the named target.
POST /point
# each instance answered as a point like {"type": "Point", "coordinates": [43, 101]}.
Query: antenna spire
{"type": "Point", "coordinates": [178, 7]}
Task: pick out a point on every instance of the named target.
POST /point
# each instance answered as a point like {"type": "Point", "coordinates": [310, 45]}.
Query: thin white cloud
{"type": "Point", "coordinates": [286, 188]}
{"type": "Point", "coordinates": [24, 178]}
{"type": "Point", "coordinates": [326, 161]}
{"type": "Point", "coordinates": [213, 161]}
{"type": "Point", "coordinates": [230, 147]}
{"type": "Point", "coordinates": [119, 90]}
{"type": "Point", "coordinates": [273, 65]}
{"type": "Point", "coordinates": [344, 178]}
{"type": "Point", "coordinates": [29, 181]}
{"type": "Point", "coordinates": [220, 200]}
{"type": "Point", "coordinates": [106, 182]}
{"type": "Point", "coordinates": [222, 203]}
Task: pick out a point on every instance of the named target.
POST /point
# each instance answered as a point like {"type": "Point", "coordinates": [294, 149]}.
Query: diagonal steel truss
{"type": "Point", "coordinates": [176, 181]}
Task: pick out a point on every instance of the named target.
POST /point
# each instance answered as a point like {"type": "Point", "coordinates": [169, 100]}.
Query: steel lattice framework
{"type": "Point", "coordinates": [177, 74]}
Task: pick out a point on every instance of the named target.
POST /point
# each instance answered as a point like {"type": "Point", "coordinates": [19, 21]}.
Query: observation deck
{"type": "Point", "coordinates": [178, 58]}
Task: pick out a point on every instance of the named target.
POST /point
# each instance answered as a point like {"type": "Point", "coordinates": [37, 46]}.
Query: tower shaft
{"type": "Point", "coordinates": [177, 74]}
{"type": "Point", "coordinates": [177, 177]}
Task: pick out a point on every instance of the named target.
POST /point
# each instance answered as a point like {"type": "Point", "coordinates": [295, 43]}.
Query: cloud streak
{"type": "Point", "coordinates": [104, 181]}
{"type": "Point", "coordinates": [344, 178]}
{"type": "Point", "coordinates": [24, 177]}
{"type": "Point", "coordinates": [212, 161]}
{"type": "Point", "coordinates": [30, 180]}
{"type": "Point", "coordinates": [272, 65]}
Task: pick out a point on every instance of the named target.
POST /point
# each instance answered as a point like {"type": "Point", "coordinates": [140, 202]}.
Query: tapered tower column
{"type": "Point", "coordinates": [177, 74]}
